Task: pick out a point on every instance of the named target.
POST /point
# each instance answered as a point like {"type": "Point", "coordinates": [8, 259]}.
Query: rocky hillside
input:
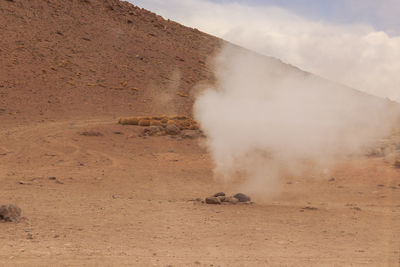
{"type": "Point", "coordinates": [99, 58]}
{"type": "Point", "coordinates": [96, 57]}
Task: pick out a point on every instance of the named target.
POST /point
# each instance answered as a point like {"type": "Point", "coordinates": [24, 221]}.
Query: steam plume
{"type": "Point", "coordinates": [354, 54]}
{"type": "Point", "coordinates": [264, 116]}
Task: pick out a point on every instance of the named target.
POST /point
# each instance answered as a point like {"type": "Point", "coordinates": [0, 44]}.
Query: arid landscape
{"type": "Point", "coordinates": [94, 192]}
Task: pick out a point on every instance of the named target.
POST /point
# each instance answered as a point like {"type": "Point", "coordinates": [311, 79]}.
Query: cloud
{"type": "Point", "coordinates": [356, 55]}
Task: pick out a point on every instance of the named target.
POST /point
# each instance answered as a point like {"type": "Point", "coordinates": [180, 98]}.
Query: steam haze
{"type": "Point", "coordinates": [264, 117]}
{"type": "Point", "coordinates": [354, 53]}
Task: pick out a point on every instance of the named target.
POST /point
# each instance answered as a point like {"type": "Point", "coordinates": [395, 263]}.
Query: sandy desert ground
{"type": "Point", "coordinates": [123, 200]}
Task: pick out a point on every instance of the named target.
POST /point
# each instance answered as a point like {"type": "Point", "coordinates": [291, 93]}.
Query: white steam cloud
{"type": "Point", "coordinates": [264, 117]}
{"type": "Point", "coordinates": [354, 54]}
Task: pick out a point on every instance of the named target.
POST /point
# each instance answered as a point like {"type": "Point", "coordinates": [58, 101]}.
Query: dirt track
{"type": "Point", "coordinates": [123, 200]}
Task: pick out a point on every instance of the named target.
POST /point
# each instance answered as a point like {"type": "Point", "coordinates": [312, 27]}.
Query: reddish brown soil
{"type": "Point", "coordinates": [121, 200]}
{"type": "Point", "coordinates": [63, 59]}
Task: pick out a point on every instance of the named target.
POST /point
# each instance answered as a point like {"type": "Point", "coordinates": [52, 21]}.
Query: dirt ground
{"type": "Point", "coordinates": [117, 199]}
{"type": "Point", "coordinates": [122, 200]}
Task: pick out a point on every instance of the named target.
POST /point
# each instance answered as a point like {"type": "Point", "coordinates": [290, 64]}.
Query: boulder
{"type": "Point", "coordinates": [144, 122]}
{"type": "Point", "coordinates": [213, 200]}
{"type": "Point", "coordinates": [128, 121]}
{"type": "Point", "coordinates": [242, 197]}
{"type": "Point", "coordinates": [10, 213]}
{"type": "Point", "coordinates": [172, 129]}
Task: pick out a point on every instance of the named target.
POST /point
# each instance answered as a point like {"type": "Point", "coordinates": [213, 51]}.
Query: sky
{"type": "Point", "coordinates": [381, 14]}
{"type": "Point", "coordinates": [353, 42]}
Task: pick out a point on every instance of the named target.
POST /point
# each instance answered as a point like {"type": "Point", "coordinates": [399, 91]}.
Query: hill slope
{"type": "Point", "coordinates": [64, 58]}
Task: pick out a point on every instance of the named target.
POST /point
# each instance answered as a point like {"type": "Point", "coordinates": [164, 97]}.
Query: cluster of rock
{"type": "Point", "coordinates": [10, 213]}
{"type": "Point", "coordinates": [163, 125]}
{"type": "Point", "coordinates": [222, 198]}
{"type": "Point", "coordinates": [181, 122]}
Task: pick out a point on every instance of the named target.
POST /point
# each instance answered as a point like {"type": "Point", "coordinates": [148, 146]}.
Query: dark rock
{"type": "Point", "coordinates": [242, 197]}
{"type": "Point", "coordinates": [219, 194]}
{"type": "Point", "coordinates": [213, 200]}
{"type": "Point", "coordinates": [172, 129]}
{"type": "Point", "coordinates": [332, 179]}
{"type": "Point", "coordinates": [309, 208]}
{"type": "Point", "coordinates": [10, 213]}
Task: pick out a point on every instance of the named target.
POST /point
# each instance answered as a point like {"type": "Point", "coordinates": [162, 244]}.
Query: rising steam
{"type": "Point", "coordinates": [263, 116]}
{"type": "Point", "coordinates": [354, 54]}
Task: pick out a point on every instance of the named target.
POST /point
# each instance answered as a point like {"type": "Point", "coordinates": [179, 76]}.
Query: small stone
{"type": "Point", "coordinates": [91, 133]}
{"type": "Point", "coordinates": [332, 179]}
{"type": "Point", "coordinates": [52, 178]}
{"type": "Point", "coordinates": [219, 194]}
{"type": "Point", "coordinates": [213, 200]}
{"type": "Point", "coordinates": [309, 208]}
{"type": "Point", "coordinates": [10, 213]}
{"type": "Point", "coordinates": [29, 236]}
{"type": "Point", "coordinates": [242, 197]}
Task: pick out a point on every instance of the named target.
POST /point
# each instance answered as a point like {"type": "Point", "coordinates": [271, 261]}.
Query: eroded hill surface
{"type": "Point", "coordinates": [90, 58]}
